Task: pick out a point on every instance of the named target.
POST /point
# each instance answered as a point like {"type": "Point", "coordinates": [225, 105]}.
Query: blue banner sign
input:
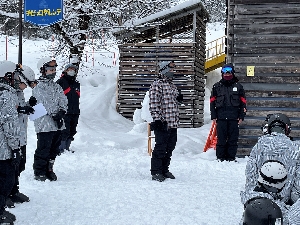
{"type": "Point", "coordinates": [43, 12]}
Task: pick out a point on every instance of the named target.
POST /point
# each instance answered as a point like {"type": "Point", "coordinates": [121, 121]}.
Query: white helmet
{"type": "Point", "coordinates": [6, 66]}
{"type": "Point", "coordinates": [42, 61]}
{"type": "Point", "coordinates": [28, 74]}
{"type": "Point", "coordinates": [273, 173]}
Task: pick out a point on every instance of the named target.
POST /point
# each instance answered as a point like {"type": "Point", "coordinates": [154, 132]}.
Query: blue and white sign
{"type": "Point", "coordinates": [43, 12]}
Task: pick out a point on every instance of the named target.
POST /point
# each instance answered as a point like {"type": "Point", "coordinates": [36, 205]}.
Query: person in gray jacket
{"type": "Point", "coordinates": [49, 126]}
{"type": "Point", "coordinates": [271, 180]}
{"type": "Point", "coordinates": [275, 145]}
{"type": "Point", "coordinates": [26, 76]}
{"type": "Point", "coordinates": [9, 138]}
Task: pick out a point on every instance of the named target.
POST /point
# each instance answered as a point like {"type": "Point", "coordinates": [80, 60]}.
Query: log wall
{"type": "Point", "coordinates": [265, 34]}
{"type": "Point", "coordinates": [139, 64]}
{"type": "Point", "coordinates": [138, 69]}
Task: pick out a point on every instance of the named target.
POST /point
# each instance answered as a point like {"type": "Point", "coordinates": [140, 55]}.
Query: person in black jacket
{"type": "Point", "coordinates": [228, 109]}
{"type": "Point", "coordinates": [71, 88]}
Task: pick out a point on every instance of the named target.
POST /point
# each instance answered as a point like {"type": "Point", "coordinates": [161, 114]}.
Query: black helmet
{"type": "Point", "coordinates": [262, 211]}
{"type": "Point", "coordinates": [279, 123]}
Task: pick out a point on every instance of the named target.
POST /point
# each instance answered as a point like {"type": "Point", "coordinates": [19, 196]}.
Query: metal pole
{"type": "Point", "coordinates": [20, 31]}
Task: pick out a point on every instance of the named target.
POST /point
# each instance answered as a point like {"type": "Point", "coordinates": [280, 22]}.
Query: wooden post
{"type": "Point", "coordinates": [149, 139]}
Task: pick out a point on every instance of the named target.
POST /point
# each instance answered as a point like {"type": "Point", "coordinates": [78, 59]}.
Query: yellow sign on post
{"type": "Point", "coordinates": [250, 71]}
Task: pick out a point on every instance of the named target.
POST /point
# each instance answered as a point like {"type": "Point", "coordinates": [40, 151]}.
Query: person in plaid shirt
{"type": "Point", "coordinates": [164, 109]}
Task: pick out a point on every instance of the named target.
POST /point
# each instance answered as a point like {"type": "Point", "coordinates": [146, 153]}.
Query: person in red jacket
{"type": "Point", "coordinates": [71, 88]}
{"type": "Point", "coordinates": [228, 109]}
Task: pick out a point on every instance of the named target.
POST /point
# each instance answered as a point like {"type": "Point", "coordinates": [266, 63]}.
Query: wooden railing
{"type": "Point", "coordinates": [215, 48]}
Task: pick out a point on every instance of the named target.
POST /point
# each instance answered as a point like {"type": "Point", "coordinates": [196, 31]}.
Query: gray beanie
{"type": "Point", "coordinates": [70, 65]}
{"type": "Point", "coordinates": [163, 67]}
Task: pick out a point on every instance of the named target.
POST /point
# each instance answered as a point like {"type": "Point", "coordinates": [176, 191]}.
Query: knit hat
{"type": "Point", "coordinates": [164, 67]}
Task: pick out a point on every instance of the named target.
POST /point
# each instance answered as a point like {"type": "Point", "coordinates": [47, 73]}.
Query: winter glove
{"type": "Point", "coordinates": [25, 109]}
{"type": "Point", "coordinates": [180, 98]}
{"type": "Point", "coordinates": [32, 101]}
{"type": "Point", "coordinates": [58, 118]}
{"type": "Point", "coordinates": [16, 157]}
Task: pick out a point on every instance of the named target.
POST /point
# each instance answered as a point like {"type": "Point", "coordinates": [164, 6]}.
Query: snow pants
{"type": "Point", "coordinates": [165, 142]}
{"type": "Point", "coordinates": [19, 170]}
{"type": "Point", "coordinates": [71, 121]}
{"type": "Point", "coordinates": [47, 149]}
{"type": "Point", "coordinates": [7, 179]}
{"type": "Point", "coordinates": [227, 138]}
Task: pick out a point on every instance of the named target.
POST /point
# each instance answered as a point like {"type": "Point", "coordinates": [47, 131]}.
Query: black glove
{"type": "Point", "coordinates": [25, 109]}
{"type": "Point", "coordinates": [179, 98]}
{"type": "Point", "coordinates": [16, 157]}
{"type": "Point", "coordinates": [58, 118]}
{"type": "Point", "coordinates": [32, 101]}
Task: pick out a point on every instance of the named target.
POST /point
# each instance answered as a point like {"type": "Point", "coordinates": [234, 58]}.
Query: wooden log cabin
{"type": "Point", "coordinates": [177, 34]}
{"type": "Point", "coordinates": [263, 43]}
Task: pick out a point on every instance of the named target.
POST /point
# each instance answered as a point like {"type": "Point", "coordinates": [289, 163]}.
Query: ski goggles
{"type": "Point", "coordinates": [52, 68]}
{"type": "Point", "coordinates": [227, 70]}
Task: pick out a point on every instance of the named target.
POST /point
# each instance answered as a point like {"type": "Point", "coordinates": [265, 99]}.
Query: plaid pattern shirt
{"type": "Point", "coordinates": [163, 104]}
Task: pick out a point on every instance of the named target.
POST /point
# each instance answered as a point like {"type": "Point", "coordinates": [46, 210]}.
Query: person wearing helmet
{"type": "Point", "coordinates": [275, 145]}
{"type": "Point", "coordinates": [24, 109]}
{"type": "Point", "coordinates": [272, 178]}
{"type": "Point", "coordinates": [164, 108]}
{"type": "Point", "coordinates": [9, 135]}
{"type": "Point", "coordinates": [228, 108]}
{"type": "Point", "coordinates": [71, 88]}
{"type": "Point", "coordinates": [262, 211]}
{"type": "Point", "coordinates": [49, 126]}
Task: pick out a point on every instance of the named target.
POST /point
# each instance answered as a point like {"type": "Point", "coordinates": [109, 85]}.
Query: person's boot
{"type": "Point", "coordinates": [40, 177]}
{"type": "Point", "coordinates": [169, 175]}
{"type": "Point", "coordinates": [5, 219]}
{"type": "Point", "coordinates": [19, 198]}
{"type": "Point", "coordinates": [50, 174]}
{"type": "Point", "coordinates": [158, 177]}
{"type": "Point", "coordinates": [9, 203]}
{"type": "Point", "coordinates": [9, 215]}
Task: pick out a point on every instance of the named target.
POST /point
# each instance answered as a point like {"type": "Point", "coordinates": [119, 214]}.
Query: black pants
{"type": "Point", "coordinates": [165, 142]}
{"type": "Point", "coordinates": [19, 170]}
{"type": "Point", "coordinates": [227, 138]}
{"type": "Point", "coordinates": [47, 149]}
{"type": "Point", "coordinates": [71, 121]}
{"type": "Point", "coordinates": [7, 179]}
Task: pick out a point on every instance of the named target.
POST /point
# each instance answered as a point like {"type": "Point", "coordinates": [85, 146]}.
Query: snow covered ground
{"type": "Point", "coordinates": [107, 180]}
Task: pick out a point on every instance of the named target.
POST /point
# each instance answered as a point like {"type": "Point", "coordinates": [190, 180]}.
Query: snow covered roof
{"type": "Point", "coordinates": [178, 12]}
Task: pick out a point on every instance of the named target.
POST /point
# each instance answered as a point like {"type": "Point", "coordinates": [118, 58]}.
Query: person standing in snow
{"type": "Point", "coordinates": [164, 109]}
{"type": "Point", "coordinates": [71, 88]}
{"type": "Point", "coordinates": [49, 126]}
{"type": "Point", "coordinates": [276, 145]}
{"type": "Point", "coordinates": [228, 108]}
{"type": "Point", "coordinates": [26, 76]}
{"type": "Point", "coordinates": [9, 137]}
